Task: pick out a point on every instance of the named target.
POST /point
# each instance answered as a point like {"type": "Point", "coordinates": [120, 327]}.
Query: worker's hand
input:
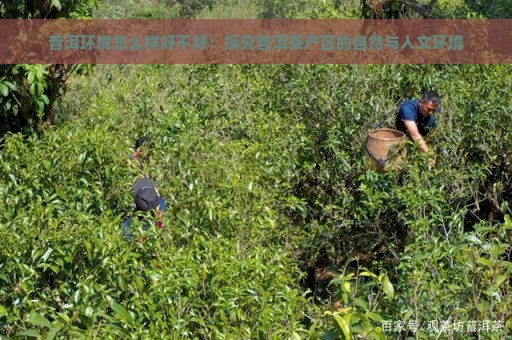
{"type": "Point", "coordinates": [431, 158]}
{"type": "Point", "coordinates": [431, 162]}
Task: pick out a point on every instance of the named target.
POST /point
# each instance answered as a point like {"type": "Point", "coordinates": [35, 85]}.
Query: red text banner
{"type": "Point", "coordinates": [242, 41]}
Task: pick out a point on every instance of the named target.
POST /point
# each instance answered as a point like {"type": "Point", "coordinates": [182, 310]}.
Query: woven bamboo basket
{"type": "Point", "coordinates": [385, 149]}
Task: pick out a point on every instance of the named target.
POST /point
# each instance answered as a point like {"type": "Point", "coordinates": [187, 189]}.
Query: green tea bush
{"type": "Point", "coordinates": [265, 180]}
{"type": "Point", "coordinates": [219, 268]}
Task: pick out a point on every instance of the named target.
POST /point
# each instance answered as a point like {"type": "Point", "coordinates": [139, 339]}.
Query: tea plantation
{"type": "Point", "coordinates": [275, 228]}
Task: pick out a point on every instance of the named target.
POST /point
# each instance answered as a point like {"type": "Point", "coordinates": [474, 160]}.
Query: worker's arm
{"type": "Point", "coordinates": [412, 128]}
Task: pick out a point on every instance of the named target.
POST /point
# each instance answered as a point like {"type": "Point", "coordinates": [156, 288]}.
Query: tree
{"type": "Point", "coordinates": [395, 9]}
{"type": "Point", "coordinates": [28, 92]}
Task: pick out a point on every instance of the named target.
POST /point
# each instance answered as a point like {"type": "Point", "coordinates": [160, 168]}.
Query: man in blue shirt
{"type": "Point", "coordinates": [415, 117]}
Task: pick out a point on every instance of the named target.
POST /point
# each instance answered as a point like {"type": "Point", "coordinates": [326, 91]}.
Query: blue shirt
{"type": "Point", "coordinates": [410, 111]}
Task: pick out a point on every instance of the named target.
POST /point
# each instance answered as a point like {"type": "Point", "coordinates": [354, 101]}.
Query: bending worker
{"type": "Point", "coordinates": [416, 117]}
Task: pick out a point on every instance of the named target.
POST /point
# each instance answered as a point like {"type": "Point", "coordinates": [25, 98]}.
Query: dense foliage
{"type": "Point", "coordinates": [263, 168]}
{"type": "Point", "coordinates": [276, 228]}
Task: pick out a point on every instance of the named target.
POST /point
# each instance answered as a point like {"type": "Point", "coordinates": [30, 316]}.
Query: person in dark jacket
{"type": "Point", "coordinates": [142, 148]}
{"type": "Point", "coordinates": [145, 198]}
